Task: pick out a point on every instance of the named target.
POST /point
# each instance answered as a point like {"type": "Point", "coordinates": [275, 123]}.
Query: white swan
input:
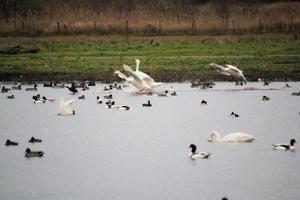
{"type": "Point", "coordinates": [194, 154]}
{"type": "Point", "coordinates": [285, 147]}
{"type": "Point", "coordinates": [145, 77]}
{"type": "Point", "coordinates": [231, 137]}
{"type": "Point", "coordinates": [138, 79]}
{"type": "Point", "coordinates": [230, 70]}
{"type": "Point", "coordinates": [65, 107]}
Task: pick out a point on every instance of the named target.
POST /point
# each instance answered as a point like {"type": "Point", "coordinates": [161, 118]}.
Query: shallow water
{"type": "Point", "coordinates": [143, 153]}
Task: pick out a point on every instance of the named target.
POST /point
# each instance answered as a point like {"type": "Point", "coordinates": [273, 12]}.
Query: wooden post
{"type": "Point", "coordinates": [194, 28]}
{"type": "Point", "coordinates": [58, 27]}
{"type": "Point", "coordinates": [127, 31]}
{"type": "Point", "coordinates": [95, 27]}
{"type": "Point", "coordinates": [159, 28]}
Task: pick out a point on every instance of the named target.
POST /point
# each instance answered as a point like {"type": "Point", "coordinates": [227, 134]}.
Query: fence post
{"type": "Point", "coordinates": [127, 31]}
{"type": "Point", "coordinates": [194, 28]}
{"type": "Point", "coordinates": [58, 27]}
{"type": "Point", "coordinates": [159, 28]}
{"type": "Point", "coordinates": [95, 27]}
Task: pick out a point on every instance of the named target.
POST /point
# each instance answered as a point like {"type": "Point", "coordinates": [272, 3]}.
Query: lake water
{"type": "Point", "coordinates": [143, 153]}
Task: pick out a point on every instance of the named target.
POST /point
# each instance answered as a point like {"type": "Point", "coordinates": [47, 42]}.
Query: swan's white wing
{"type": "Point", "coordinates": [65, 107]}
{"type": "Point", "coordinates": [215, 65]}
{"type": "Point", "coordinates": [132, 73]}
{"type": "Point", "coordinates": [233, 68]}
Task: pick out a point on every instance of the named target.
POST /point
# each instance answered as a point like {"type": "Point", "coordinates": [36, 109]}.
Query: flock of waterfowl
{"type": "Point", "coordinates": [144, 85]}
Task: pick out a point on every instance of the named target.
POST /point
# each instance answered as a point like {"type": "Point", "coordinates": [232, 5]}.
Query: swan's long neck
{"type": "Point", "coordinates": [137, 61]}
{"type": "Point", "coordinates": [215, 137]}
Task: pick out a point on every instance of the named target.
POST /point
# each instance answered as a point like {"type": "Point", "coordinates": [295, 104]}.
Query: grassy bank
{"type": "Point", "coordinates": [175, 58]}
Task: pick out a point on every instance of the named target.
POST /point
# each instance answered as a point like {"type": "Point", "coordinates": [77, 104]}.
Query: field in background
{"type": "Point", "coordinates": [165, 17]}
{"type": "Point", "coordinates": [165, 58]}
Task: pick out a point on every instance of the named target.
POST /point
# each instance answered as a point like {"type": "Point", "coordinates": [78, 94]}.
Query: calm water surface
{"type": "Point", "coordinates": [143, 153]}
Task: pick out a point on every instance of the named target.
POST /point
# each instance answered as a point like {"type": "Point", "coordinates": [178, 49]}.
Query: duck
{"type": "Point", "coordinates": [18, 87]}
{"type": "Point", "coordinates": [232, 114]}
{"type": "Point", "coordinates": [91, 83]}
{"type": "Point", "coordinates": [231, 137]}
{"type": "Point", "coordinates": [10, 96]}
{"type": "Point", "coordinates": [110, 96]}
{"type": "Point", "coordinates": [265, 98]}
{"type": "Point", "coordinates": [173, 93]}
{"type": "Point", "coordinates": [48, 84]}
{"type": "Point", "coordinates": [287, 85]}
{"type": "Point", "coordinates": [296, 93]}
{"type": "Point", "coordinates": [29, 153]}
{"type": "Point", "coordinates": [34, 140]}
{"type": "Point", "coordinates": [45, 99]}
{"type": "Point", "coordinates": [203, 103]}
{"type": "Point", "coordinates": [81, 97]}
{"type": "Point", "coordinates": [72, 88]}
{"type": "Point", "coordinates": [123, 108]}
{"type": "Point", "coordinates": [36, 98]}
{"type": "Point", "coordinates": [147, 104]}
{"type": "Point", "coordinates": [98, 101]}
{"type": "Point", "coordinates": [105, 88]}
{"type": "Point", "coordinates": [163, 94]}
{"type": "Point", "coordinates": [65, 107]}
{"type": "Point", "coordinates": [230, 70]}
{"type": "Point", "coordinates": [32, 89]}
{"type": "Point", "coordinates": [4, 89]}
{"type": "Point", "coordinates": [285, 147]}
{"type": "Point", "coordinates": [58, 85]}
{"type": "Point", "coordinates": [194, 154]}
{"type": "Point", "coordinates": [10, 143]}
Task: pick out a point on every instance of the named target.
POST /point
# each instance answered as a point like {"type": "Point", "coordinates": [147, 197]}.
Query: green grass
{"type": "Point", "coordinates": [170, 60]}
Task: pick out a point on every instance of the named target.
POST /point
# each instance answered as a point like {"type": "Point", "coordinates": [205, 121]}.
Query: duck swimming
{"type": "Point", "coordinates": [10, 143]}
{"type": "Point", "coordinates": [72, 88]}
{"type": "Point", "coordinates": [147, 104]}
{"type": "Point", "coordinates": [285, 147]}
{"type": "Point", "coordinates": [4, 89]}
{"type": "Point", "coordinates": [98, 101]}
{"type": "Point", "coordinates": [29, 153]}
{"type": "Point", "coordinates": [10, 96]}
{"type": "Point", "coordinates": [32, 89]}
{"type": "Point", "coordinates": [203, 103]}
{"type": "Point", "coordinates": [81, 97]}
{"type": "Point", "coordinates": [265, 98]}
{"type": "Point", "coordinates": [34, 140]}
{"type": "Point", "coordinates": [234, 114]}
{"type": "Point", "coordinates": [194, 154]}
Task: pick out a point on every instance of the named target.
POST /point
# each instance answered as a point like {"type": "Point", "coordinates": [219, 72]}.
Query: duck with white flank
{"type": "Point", "coordinates": [123, 108]}
{"type": "Point", "coordinates": [110, 96]}
{"type": "Point", "coordinates": [4, 89]}
{"type": "Point", "coordinates": [29, 153]}
{"type": "Point", "coordinates": [32, 89]}
{"type": "Point", "coordinates": [265, 98]}
{"type": "Point", "coordinates": [194, 154]}
{"type": "Point", "coordinates": [18, 87]}
{"type": "Point", "coordinates": [34, 140]}
{"type": "Point", "coordinates": [285, 147]}
{"type": "Point", "coordinates": [234, 114]}
{"type": "Point", "coordinates": [45, 99]}
{"type": "Point", "coordinates": [147, 104]}
{"type": "Point", "coordinates": [231, 137]}
{"type": "Point", "coordinates": [98, 101]}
